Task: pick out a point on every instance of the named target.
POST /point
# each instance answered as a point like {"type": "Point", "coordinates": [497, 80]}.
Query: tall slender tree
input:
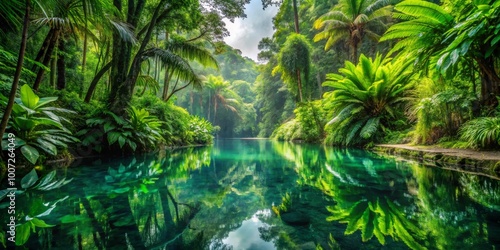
{"type": "Point", "coordinates": [19, 67]}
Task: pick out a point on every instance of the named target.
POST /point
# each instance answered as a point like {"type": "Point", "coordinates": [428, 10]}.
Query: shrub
{"type": "Point", "coordinates": [140, 132]}
{"type": "Point", "coordinates": [483, 132]}
{"type": "Point", "coordinates": [202, 130]}
{"type": "Point", "coordinates": [364, 99]}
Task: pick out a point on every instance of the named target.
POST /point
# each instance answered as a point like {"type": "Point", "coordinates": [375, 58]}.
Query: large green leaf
{"type": "Point", "coordinates": [44, 101]}
{"type": "Point", "coordinates": [30, 179]}
{"type": "Point", "coordinates": [18, 142]}
{"type": "Point", "coordinates": [23, 233]}
{"type": "Point", "coordinates": [28, 97]}
{"type": "Point", "coordinates": [46, 146]}
{"type": "Point", "coordinates": [30, 153]}
{"type": "Point", "coordinates": [40, 223]}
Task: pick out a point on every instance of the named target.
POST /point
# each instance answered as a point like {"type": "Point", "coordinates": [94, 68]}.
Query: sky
{"type": "Point", "coordinates": [245, 34]}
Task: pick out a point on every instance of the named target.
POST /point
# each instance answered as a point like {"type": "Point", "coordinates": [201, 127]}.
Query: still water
{"type": "Point", "coordinates": [255, 194]}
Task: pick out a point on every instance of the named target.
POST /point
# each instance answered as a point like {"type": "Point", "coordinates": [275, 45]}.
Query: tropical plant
{"type": "Point", "coordinates": [421, 33]}
{"type": "Point", "coordinates": [307, 125]}
{"type": "Point", "coordinates": [440, 110]}
{"type": "Point", "coordinates": [141, 131]}
{"type": "Point", "coordinates": [294, 64]}
{"type": "Point", "coordinates": [6, 8]}
{"type": "Point", "coordinates": [364, 99]}
{"type": "Point", "coordinates": [437, 38]}
{"type": "Point", "coordinates": [352, 21]}
{"type": "Point", "coordinates": [483, 132]}
{"type": "Point", "coordinates": [202, 130]}
{"type": "Point", "coordinates": [221, 95]}
{"type": "Point", "coordinates": [36, 126]}
{"type": "Point", "coordinates": [476, 36]}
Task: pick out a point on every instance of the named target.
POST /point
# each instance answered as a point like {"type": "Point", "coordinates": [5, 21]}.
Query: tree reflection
{"type": "Point", "coordinates": [367, 197]}
{"type": "Point", "coordinates": [129, 205]}
{"type": "Point", "coordinates": [446, 209]}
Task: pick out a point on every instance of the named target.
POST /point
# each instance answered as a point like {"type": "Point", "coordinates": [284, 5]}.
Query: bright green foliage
{"type": "Point", "coordinates": [483, 132]}
{"type": "Point", "coordinates": [307, 125]}
{"type": "Point", "coordinates": [352, 21]}
{"type": "Point", "coordinates": [288, 131]}
{"type": "Point", "coordinates": [380, 219]}
{"type": "Point", "coordinates": [364, 99]}
{"type": "Point", "coordinates": [440, 110]}
{"type": "Point", "coordinates": [141, 131]}
{"type": "Point", "coordinates": [479, 26]}
{"type": "Point", "coordinates": [37, 126]}
{"type": "Point", "coordinates": [221, 96]}
{"type": "Point", "coordinates": [147, 127]}
{"type": "Point", "coordinates": [294, 64]}
{"type": "Point", "coordinates": [178, 126]}
{"type": "Point", "coordinates": [202, 130]}
{"type": "Point", "coordinates": [422, 30]}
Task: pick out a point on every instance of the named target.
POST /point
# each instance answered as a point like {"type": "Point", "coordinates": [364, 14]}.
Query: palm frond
{"type": "Point", "coordinates": [192, 52]}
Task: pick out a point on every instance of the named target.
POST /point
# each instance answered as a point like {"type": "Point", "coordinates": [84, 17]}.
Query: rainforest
{"type": "Point", "coordinates": [136, 125]}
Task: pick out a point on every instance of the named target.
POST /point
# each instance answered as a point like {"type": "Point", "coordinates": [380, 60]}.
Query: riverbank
{"type": "Point", "coordinates": [486, 162]}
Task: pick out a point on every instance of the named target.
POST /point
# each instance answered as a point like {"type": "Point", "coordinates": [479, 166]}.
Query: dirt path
{"type": "Point", "coordinates": [466, 153]}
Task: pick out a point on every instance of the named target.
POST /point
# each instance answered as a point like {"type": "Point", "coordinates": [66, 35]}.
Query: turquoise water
{"type": "Point", "coordinates": [256, 194]}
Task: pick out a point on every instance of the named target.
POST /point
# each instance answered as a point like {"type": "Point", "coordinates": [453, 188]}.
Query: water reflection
{"type": "Point", "coordinates": [257, 194]}
{"type": "Point", "coordinates": [248, 235]}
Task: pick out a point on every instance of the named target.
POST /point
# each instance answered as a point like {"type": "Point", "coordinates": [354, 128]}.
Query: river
{"type": "Point", "coordinates": [255, 194]}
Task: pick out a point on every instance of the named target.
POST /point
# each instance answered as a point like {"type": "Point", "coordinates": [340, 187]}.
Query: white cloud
{"type": "Point", "coordinates": [245, 34]}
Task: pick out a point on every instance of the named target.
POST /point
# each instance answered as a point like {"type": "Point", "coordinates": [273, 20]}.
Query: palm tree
{"type": "Point", "coordinates": [176, 57]}
{"type": "Point", "coordinates": [352, 21]}
{"type": "Point", "coordinates": [363, 98]}
{"type": "Point", "coordinates": [68, 17]}
{"type": "Point", "coordinates": [221, 95]}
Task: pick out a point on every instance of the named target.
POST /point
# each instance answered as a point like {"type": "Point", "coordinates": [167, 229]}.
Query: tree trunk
{"type": "Point", "coordinates": [299, 83]}
{"type": "Point", "coordinates": [43, 49]}
{"type": "Point", "coordinates": [490, 82]}
{"type": "Point", "coordinates": [122, 87]}
{"type": "Point", "coordinates": [84, 56]}
{"type": "Point", "coordinates": [354, 54]}
{"type": "Point", "coordinates": [53, 70]}
{"type": "Point", "coordinates": [61, 66]}
{"type": "Point", "coordinates": [95, 81]}
{"type": "Point", "coordinates": [46, 58]}
{"type": "Point", "coordinates": [296, 17]}
{"type": "Point", "coordinates": [17, 74]}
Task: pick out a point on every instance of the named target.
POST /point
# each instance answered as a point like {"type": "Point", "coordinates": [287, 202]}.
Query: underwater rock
{"type": "Point", "coordinates": [308, 246]}
{"type": "Point", "coordinates": [295, 219]}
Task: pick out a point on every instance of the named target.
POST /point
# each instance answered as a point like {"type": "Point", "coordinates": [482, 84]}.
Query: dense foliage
{"type": "Point", "coordinates": [114, 72]}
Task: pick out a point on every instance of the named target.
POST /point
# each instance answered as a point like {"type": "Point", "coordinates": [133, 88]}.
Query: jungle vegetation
{"type": "Point", "coordinates": [79, 77]}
